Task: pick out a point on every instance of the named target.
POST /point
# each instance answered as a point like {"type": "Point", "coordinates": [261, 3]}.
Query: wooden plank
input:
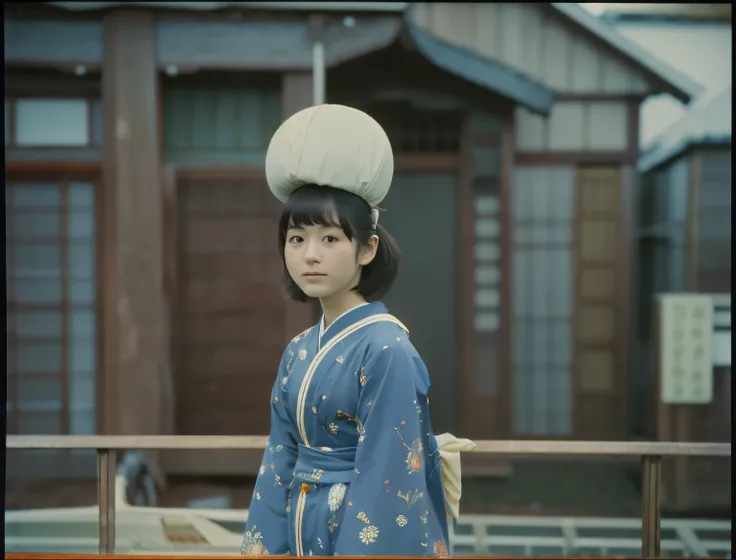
{"type": "Point", "coordinates": [46, 83]}
{"type": "Point", "coordinates": [584, 65]}
{"type": "Point", "coordinates": [233, 264]}
{"type": "Point", "coordinates": [229, 328]}
{"type": "Point", "coordinates": [231, 462]}
{"type": "Point", "coordinates": [574, 158]}
{"type": "Point", "coordinates": [557, 49]}
{"type": "Point", "coordinates": [47, 43]}
{"type": "Point", "coordinates": [531, 130]}
{"type": "Point", "coordinates": [607, 126]}
{"type": "Point", "coordinates": [505, 447]}
{"type": "Point", "coordinates": [507, 334]}
{"type": "Point", "coordinates": [265, 44]}
{"type": "Point", "coordinates": [230, 316]}
{"type": "Point", "coordinates": [566, 127]}
{"type": "Point", "coordinates": [466, 285]}
{"type": "Point", "coordinates": [424, 163]}
{"type": "Point", "coordinates": [257, 361]}
{"type": "Point", "coordinates": [234, 198]}
{"type": "Point", "coordinates": [551, 49]}
{"type": "Point", "coordinates": [228, 233]}
{"type": "Point", "coordinates": [230, 296]}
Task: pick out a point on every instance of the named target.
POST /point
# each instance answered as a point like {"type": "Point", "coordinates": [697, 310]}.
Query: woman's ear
{"type": "Point", "coordinates": [368, 251]}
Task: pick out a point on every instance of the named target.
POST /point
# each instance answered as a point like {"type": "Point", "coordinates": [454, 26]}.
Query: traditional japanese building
{"type": "Point", "coordinates": [150, 300]}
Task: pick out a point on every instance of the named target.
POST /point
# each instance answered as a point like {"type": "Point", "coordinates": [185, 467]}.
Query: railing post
{"type": "Point", "coordinates": [106, 499]}
{"type": "Point", "coordinates": [650, 514]}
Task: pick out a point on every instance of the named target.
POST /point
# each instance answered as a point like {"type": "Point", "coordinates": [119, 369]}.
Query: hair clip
{"type": "Point", "coordinates": [374, 217]}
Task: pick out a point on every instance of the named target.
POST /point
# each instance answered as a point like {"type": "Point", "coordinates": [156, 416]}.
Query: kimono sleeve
{"type": "Point", "coordinates": [388, 500]}
{"type": "Point", "coordinates": [267, 528]}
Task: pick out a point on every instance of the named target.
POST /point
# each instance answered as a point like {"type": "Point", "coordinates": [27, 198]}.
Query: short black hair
{"type": "Point", "coordinates": [326, 206]}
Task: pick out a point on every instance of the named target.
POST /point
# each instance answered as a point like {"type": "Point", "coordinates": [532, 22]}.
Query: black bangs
{"type": "Point", "coordinates": [313, 205]}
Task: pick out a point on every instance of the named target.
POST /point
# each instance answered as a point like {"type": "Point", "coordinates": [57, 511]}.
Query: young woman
{"type": "Point", "coordinates": [352, 466]}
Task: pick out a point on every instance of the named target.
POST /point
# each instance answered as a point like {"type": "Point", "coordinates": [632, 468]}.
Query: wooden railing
{"type": "Point", "coordinates": [108, 446]}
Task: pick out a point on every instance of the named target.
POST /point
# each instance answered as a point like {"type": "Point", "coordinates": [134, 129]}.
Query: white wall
{"type": "Point", "coordinates": [699, 49]}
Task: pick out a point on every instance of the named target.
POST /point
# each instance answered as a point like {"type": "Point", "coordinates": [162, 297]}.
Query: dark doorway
{"type": "Point", "coordinates": [421, 214]}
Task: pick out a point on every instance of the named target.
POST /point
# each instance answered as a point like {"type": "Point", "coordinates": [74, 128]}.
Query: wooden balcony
{"type": "Point", "coordinates": [107, 448]}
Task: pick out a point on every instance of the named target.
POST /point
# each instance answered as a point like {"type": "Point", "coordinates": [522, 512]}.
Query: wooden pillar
{"type": "Point", "coordinates": [297, 95]}
{"type": "Point", "coordinates": [134, 358]}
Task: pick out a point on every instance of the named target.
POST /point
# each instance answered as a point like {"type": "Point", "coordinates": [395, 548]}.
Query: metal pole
{"type": "Point", "coordinates": [318, 60]}
{"type": "Point", "coordinates": [106, 499]}
{"type": "Point", "coordinates": [650, 514]}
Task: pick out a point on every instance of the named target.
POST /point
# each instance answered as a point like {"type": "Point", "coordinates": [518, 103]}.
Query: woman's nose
{"type": "Point", "coordinates": [312, 252]}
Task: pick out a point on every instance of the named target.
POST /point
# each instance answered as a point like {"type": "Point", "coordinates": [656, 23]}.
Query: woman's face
{"type": "Point", "coordinates": [323, 262]}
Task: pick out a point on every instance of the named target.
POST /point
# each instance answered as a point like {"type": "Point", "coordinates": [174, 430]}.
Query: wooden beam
{"type": "Point", "coordinates": [53, 43]}
{"type": "Point", "coordinates": [133, 354]}
{"type": "Point", "coordinates": [574, 158]}
{"type": "Point", "coordinates": [493, 447]}
{"type": "Point", "coordinates": [266, 45]}
{"type": "Point", "coordinates": [197, 44]}
{"type": "Point", "coordinates": [506, 380]}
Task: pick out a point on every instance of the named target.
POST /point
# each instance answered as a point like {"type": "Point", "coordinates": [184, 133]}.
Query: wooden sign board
{"type": "Point", "coordinates": [686, 338]}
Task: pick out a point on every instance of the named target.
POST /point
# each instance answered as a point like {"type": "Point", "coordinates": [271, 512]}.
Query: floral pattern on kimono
{"type": "Point", "coordinates": [399, 480]}
{"type": "Point", "coordinates": [369, 482]}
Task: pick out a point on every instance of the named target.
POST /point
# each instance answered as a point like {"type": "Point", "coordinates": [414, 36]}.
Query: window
{"type": "Point", "coordinates": [413, 131]}
{"type": "Point", "coordinates": [51, 314]}
{"type": "Point", "coordinates": [52, 123]}
{"type": "Point", "coordinates": [714, 223]}
{"type": "Point", "coordinates": [219, 124]}
{"type": "Point", "coordinates": [542, 299]}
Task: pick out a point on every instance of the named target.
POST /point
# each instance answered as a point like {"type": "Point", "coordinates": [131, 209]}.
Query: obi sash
{"type": "Point", "coordinates": [314, 465]}
{"type": "Point", "coordinates": [317, 466]}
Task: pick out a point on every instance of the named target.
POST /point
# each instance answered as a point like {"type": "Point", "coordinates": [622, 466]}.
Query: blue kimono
{"type": "Point", "coordinates": [351, 466]}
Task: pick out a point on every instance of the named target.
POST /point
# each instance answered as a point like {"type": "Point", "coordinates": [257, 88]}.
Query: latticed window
{"type": "Point", "coordinates": [219, 123]}
{"type": "Point", "coordinates": [412, 130]}
{"type": "Point", "coordinates": [543, 210]}
{"type": "Point", "coordinates": [51, 315]}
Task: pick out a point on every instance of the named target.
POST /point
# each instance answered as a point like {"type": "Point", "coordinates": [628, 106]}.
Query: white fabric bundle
{"type": "Point", "coordinates": [450, 448]}
{"type": "Point", "coordinates": [334, 146]}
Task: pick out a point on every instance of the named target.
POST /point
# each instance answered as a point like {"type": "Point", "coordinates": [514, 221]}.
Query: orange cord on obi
{"type": "Point", "coordinates": [305, 487]}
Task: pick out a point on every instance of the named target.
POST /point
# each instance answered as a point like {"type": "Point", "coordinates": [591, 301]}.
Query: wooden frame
{"type": "Point", "coordinates": [11, 102]}
{"type": "Point", "coordinates": [626, 160]}
{"type": "Point", "coordinates": [498, 403]}
{"type": "Point", "coordinates": [63, 174]}
{"type": "Point", "coordinates": [108, 447]}
{"type": "Point", "coordinates": [49, 84]}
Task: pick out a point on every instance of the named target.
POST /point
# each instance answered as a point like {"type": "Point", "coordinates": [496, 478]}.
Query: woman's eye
{"type": "Point", "coordinates": [330, 239]}
{"type": "Point", "coordinates": [295, 239]}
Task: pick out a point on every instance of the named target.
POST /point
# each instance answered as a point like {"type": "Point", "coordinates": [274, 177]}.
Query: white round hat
{"type": "Point", "coordinates": [334, 146]}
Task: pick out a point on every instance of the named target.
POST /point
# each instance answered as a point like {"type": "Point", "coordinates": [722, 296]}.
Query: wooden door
{"type": "Point", "coordinates": [423, 296]}
{"type": "Point", "coordinates": [229, 314]}
{"type": "Point", "coordinates": [599, 413]}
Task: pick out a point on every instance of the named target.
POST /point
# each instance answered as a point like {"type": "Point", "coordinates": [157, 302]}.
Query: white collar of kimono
{"type": "Point", "coordinates": [322, 321]}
